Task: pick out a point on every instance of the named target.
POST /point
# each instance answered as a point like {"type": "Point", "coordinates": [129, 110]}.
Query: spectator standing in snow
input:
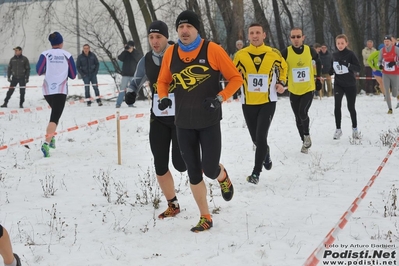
{"type": "Point", "coordinates": [18, 73]}
{"type": "Point", "coordinates": [87, 65]}
{"type": "Point", "coordinates": [130, 58]}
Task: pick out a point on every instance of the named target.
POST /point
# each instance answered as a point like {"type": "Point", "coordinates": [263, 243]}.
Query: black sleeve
{"type": "Point", "coordinates": [27, 68]}
{"type": "Point", "coordinates": [284, 53]}
{"type": "Point", "coordinates": [316, 58]}
{"type": "Point", "coordinates": [79, 65]}
{"type": "Point", "coordinates": [354, 63]}
{"type": "Point", "coordinates": [96, 63]}
{"type": "Point", "coordinates": [331, 72]}
{"type": "Point", "coordinates": [123, 55]}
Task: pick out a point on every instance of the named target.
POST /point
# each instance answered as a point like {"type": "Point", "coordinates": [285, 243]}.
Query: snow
{"type": "Point", "coordinates": [280, 221]}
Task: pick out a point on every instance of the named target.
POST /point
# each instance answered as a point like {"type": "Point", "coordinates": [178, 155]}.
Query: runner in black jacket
{"type": "Point", "coordinates": [344, 66]}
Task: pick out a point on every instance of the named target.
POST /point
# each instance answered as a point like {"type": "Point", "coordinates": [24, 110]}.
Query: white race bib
{"type": "Point", "coordinates": [301, 74]}
{"type": "Point", "coordinates": [387, 68]}
{"type": "Point", "coordinates": [168, 111]}
{"type": "Point", "coordinates": [258, 83]}
{"type": "Point", "coordinates": [340, 69]}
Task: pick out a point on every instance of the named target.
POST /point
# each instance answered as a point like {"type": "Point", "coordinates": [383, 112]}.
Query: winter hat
{"type": "Point", "coordinates": [130, 43]}
{"type": "Point", "coordinates": [159, 27]}
{"type": "Point", "coordinates": [189, 17]}
{"type": "Point", "coordinates": [388, 37]}
{"type": "Point", "coordinates": [55, 38]}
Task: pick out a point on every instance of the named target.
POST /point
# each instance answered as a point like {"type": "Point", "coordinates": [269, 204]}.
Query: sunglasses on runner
{"type": "Point", "coordinates": [296, 36]}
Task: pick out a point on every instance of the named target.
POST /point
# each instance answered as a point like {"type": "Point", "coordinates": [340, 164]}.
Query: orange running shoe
{"type": "Point", "coordinates": [227, 188]}
{"type": "Point", "coordinates": [172, 210]}
{"type": "Point", "coordinates": [202, 225]}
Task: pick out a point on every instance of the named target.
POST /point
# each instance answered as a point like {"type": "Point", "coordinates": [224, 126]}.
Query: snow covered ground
{"type": "Point", "coordinates": [79, 207]}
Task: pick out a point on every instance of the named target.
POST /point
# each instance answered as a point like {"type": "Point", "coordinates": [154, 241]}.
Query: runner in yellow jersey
{"type": "Point", "coordinates": [302, 81]}
{"type": "Point", "coordinates": [265, 72]}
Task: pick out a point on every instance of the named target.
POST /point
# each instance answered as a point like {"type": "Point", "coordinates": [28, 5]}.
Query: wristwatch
{"type": "Point", "coordinates": [282, 83]}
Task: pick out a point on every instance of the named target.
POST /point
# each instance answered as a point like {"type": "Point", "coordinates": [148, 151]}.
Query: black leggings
{"type": "Point", "coordinates": [350, 93]}
{"type": "Point", "coordinates": [258, 119]}
{"type": "Point", "coordinates": [300, 104]}
{"type": "Point", "coordinates": [196, 142]}
{"type": "Point", "coordinates": [160, 137]}
{"type": "Point", "coordinates": [57, 104]}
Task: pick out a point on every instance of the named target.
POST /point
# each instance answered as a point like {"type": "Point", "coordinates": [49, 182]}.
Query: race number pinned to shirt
{"type": "Point", "coordinates": [168, 111]}
{"type": "Point", "coordinates": [340, 69]}
{"type": "Point", "coordinates": [258, 83]}
{"type": "Point", "coordinates": [301, 74]}
{"type": "Point", "coordinates": [388, 68]}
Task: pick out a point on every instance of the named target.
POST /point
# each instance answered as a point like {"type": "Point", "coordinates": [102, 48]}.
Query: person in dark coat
{"type": "Point", "coordinates": [17, 73]}
{"type": "Point", "coordinates": [130, 58]}
{"type": "Point", "coordinates": [87, 66]}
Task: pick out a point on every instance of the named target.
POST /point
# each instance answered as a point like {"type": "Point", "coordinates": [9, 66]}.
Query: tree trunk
{"type": "Point", "coordinates": [279, 29]}
{"type": "Point", "coordinates": [335, 26]}
{"type": "Point", "coordinates": [215, 34]}
{"type": "Point", "coordinates": [151, 9]}
{"type": "Point", "coordinates": [368, 20]}
{"type": "Point", "coordinates": [228, 18]}
{"type": "Point", "coordinates": [397, 18]}
{"type": "Point", "coordinates": [132, 26]}
{"type": "Point", "coordinates": [288, 13]}
{"type": "Point", "coordinates": [260, 17]}
{"type": "Point", "coordinates": [194, 6]}
{"type": "Point", "coordinates": [347, 11]}
{"type": "Point", "coordinates": [146, 13]}
{"type": "Point", "coordinates": [317, 7]}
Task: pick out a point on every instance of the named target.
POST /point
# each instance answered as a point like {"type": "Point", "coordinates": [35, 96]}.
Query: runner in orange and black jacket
{"type": "Point", "coordinates": [193, 66]}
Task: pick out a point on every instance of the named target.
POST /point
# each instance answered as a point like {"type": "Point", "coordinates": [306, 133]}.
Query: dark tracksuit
{"type": "Point", "coordinates": [87, 66]}
{"type": "Point", "coordinates": [18, 71]}
{"type": "Point", "coordinates": [345, 83]}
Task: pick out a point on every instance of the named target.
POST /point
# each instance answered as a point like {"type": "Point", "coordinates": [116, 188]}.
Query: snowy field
{"type": "Point", "coordinates": [79, 207]}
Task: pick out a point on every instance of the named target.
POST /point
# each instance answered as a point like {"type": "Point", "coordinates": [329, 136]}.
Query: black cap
{"type": "Point", "coordinates": [160, 27]}
{"type": "Point", "coordinates": [130, 43]}
{"type": "Point", "coordinates": [189, 17]}
{"type": "Point", "coordinates": [388, 37]}
{"type": "Point", "coordinates": [17, 48]}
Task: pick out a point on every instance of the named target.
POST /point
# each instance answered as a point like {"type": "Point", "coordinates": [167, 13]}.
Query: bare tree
{"type": "Point", "coordinates": [317, 7]}
{"type": "Point", "coordinates": [334, 23]}
{"type": "Point", "coordinates": [288, 13]}
{"type": "Point", "coordinates": [277, 19]}
{"type": "Point", "coordinates": [260, 17]}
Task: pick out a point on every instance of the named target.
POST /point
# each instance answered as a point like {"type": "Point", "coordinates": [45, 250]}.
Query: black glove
{"type": "Point", "coordinates": [391, 64]}
{"type": "Point", "coordinates": [130, 97]}
{"type": "Point", "coordinates": [318, 84]}
{"type": "Point", "coordinates": [343, 63]}
{"type": "Point", "coordinates": [26, 80]}
{"type": "Point", "coordinates": [381, 67]}
{"type": "Point", "coordinates": [164, 103]}
{"type": "Point", "coordinates": [9, 79]}
{"type": "Point", "coordinates": [211, 104]}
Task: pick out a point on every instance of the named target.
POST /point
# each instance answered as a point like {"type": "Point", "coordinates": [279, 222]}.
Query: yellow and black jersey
{"type": "Point", "coordinates": [261, 67]}
{"type": "Point", "coordinates": [301, 71]}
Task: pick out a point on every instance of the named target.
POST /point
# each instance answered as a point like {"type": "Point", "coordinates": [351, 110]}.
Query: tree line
{"type": "Point", "coordinates": [105, 24]}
